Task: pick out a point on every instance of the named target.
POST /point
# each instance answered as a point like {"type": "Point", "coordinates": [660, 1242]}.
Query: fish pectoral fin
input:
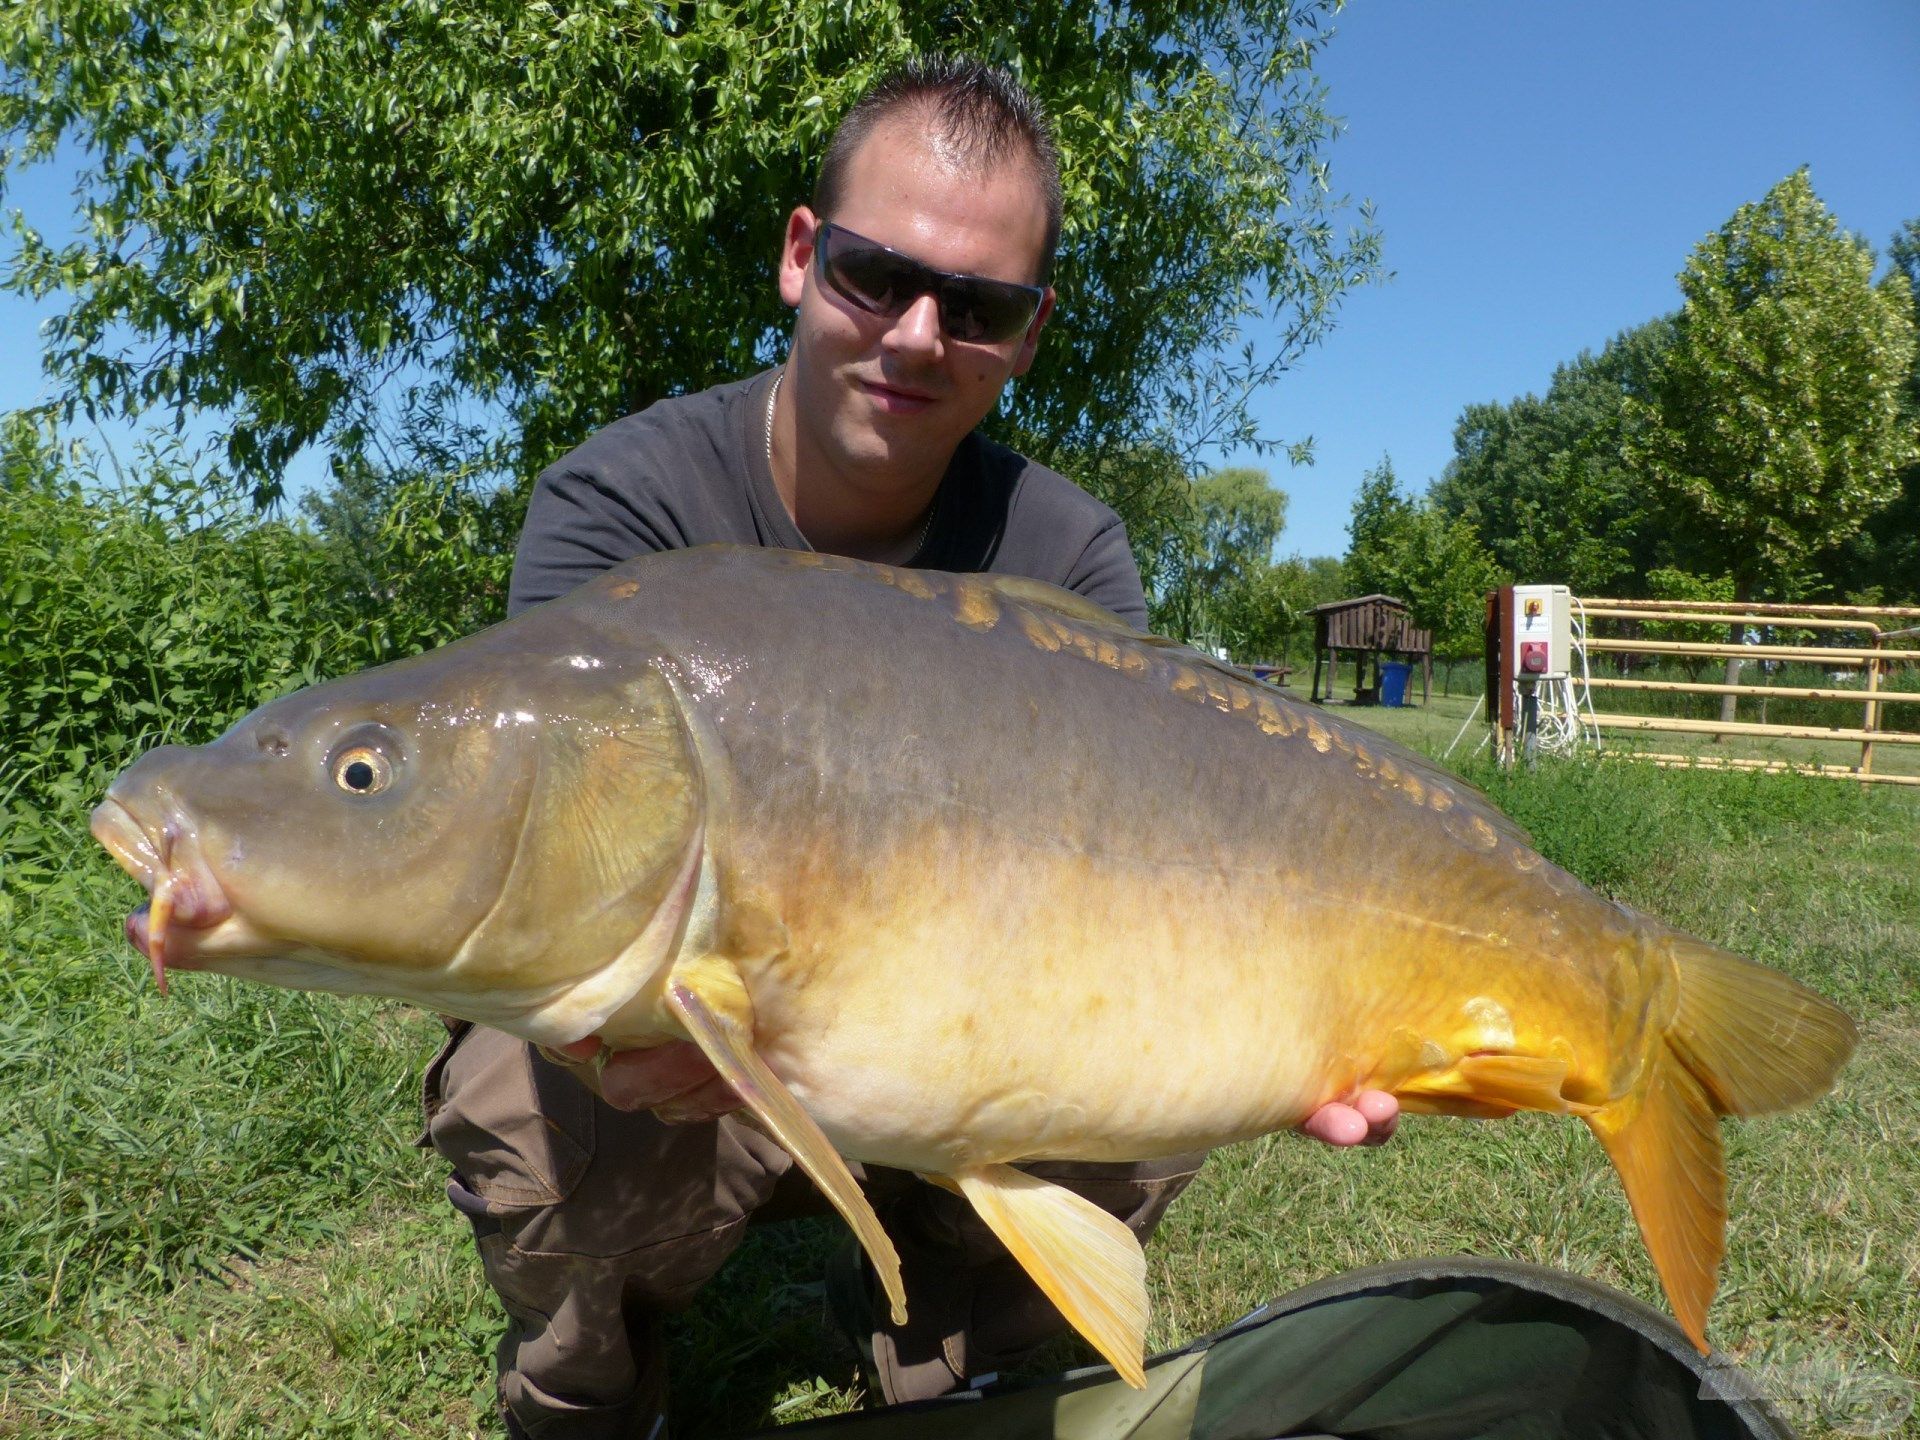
{"type": "Point", "coordinates": [708, 998]}
{"type": "Point", "coordinates": [1664, 1139]}
{"type": "Point", "coordinates": [1088, 1263]}
{"type": "Point", "coordinates": [1488, 1087]}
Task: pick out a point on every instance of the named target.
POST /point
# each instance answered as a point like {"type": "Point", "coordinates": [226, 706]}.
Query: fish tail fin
{"type": "Point", "coordinates": [1087, 1262]}
{"type": "Point", "coordinates": [1664, 1139]}
{"type": "Point", "coordinates": [1758, 1040]}
{"type": "Point", "coordinates": [1745, 1040]}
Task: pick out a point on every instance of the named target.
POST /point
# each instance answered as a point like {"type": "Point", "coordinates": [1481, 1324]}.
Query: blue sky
{"type": "Point", "coordinates": [1540, 171]}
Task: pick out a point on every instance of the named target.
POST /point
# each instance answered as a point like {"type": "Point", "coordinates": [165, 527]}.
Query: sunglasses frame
{"type": "Point", "coordinates": [946, 286]}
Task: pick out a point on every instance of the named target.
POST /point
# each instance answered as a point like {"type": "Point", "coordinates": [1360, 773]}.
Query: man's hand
{"type": "Point", "coordinates": [1369, 1120]}
{"type": "Point", "coordinates": [675, 1081]}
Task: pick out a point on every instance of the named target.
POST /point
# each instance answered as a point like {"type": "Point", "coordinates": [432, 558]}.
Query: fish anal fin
{"type": "Point", "coordinates": [1492, 1086]}
{"type": "Point", "coordinates": [710, 1001]}
{"type": "Point", "coordinates": [1664, 1139]}
{"type": "Point", "coordinates": [1085, 1261]}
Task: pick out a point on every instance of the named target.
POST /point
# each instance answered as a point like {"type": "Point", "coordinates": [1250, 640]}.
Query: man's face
{"type": "Point", "coordinates": [877, 393]}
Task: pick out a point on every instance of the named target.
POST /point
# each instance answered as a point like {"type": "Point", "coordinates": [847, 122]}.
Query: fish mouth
{"type": "Point", "coordinates": [185, 901]}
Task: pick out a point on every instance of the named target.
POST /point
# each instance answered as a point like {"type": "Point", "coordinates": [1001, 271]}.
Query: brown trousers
{"type": "Point", "coordinates": [593, 1222]}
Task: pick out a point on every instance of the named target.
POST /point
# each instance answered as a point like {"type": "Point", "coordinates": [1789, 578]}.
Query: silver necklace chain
{"type": "Point", "coordinates": [773, 394]}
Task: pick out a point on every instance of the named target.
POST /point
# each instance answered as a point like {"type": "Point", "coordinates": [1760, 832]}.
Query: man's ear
{"type": "Point", "coordinates": [796, 254]}
{"type": "Point", "coordinates": [1023, 361]}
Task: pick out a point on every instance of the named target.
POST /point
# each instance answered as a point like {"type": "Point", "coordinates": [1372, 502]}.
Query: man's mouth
{"type": "Point", "coordinates": [184, 899]}
{"type": "Point", "coordinates": [897, 399]}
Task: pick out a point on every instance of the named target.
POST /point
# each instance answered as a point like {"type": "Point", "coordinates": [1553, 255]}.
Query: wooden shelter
{"type": "Point", "coordinates": [1368, 628]}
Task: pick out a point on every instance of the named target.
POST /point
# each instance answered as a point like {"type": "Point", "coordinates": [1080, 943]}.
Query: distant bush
{"type": "Point", "coordinates": [160, 607]}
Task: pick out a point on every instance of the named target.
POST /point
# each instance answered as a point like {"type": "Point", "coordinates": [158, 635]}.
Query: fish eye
{"type": "Point", "coordinates": [362, 770]}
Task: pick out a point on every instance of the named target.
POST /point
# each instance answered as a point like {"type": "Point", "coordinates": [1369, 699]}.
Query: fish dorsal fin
{"type": "Point", "coordinates": [1087, 1262]}
{"type": "Point", "coordinates": [709, 999]}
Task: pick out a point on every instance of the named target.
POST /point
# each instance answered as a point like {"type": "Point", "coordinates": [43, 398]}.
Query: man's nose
{"type": "Point", "coordinates": [917, 331]}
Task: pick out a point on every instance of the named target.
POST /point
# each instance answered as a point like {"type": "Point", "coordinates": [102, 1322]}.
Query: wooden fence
{"type": "Point", "coordinates": [1877, 650]}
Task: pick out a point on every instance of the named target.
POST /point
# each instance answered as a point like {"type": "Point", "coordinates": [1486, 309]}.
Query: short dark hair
{"type": "Point", "coordinates": [986, 114]}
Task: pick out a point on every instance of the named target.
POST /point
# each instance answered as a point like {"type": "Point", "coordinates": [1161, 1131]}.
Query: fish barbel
{"type": "Point", "coordinates": [946, 873]}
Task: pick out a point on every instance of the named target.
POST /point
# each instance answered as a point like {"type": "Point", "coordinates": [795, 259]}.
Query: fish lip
{"type": "Point", "coordinates": [164, 857]}
{"type": "Point", "coordinates": [124, 838]}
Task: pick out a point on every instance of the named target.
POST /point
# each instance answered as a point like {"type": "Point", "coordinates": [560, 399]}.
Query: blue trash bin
{"type": "Point", "coordinates": [1393, 682]}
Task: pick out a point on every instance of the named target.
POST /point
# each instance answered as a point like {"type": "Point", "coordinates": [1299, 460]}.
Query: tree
{"type": "Point", "coordinates": [1416, 552]}
{"type": "Point", "coordinates": [1213, 578]}
{"type": "Point", "coordinates": [1257, 617]}
{"type": "Point", "coordinates": [1378, 533]}
{"type": "Point", "coordinates": [1777, 424]}
{"type": "Point", "coordinates": [326, 218]}
{"type": "Point", "coordinates": [1881, 563]}
{"type": "Point", "coordinates": [1240, 517]}
{"type": "Point", "coordinates": [1542, 480]}
{"type": "Point", "coordinates": [1776, 427]}
{"type": "Point", "coordinates": [1326, 579]}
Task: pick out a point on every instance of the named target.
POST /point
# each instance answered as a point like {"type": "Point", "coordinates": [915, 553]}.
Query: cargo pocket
{"type": "Point", "coordinates": [517, 1129]}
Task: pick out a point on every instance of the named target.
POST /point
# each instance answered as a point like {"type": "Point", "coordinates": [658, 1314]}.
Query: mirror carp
{"type": "Point", "coordinates": [946, 873]}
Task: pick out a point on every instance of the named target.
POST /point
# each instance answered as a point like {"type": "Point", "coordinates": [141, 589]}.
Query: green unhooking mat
{"type": "Point", "coordinates": [1422, 1350]}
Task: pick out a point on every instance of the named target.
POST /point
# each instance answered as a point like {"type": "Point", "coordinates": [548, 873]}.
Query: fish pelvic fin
{"type": "Point", "coordinates": [709, 999]}
{"type": "Point", "coordinates": [1664, 1139]}
{"type": "Point", "coordinates": [1758, 1040]}
{"type": "Point", "coordinates": [1083, 1259]}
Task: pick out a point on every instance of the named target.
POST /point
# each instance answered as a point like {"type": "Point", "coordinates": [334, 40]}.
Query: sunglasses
{"type": "Point", "coordinates": [881, 281]}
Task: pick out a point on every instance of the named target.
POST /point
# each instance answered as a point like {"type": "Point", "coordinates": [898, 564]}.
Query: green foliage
{"type": "Point", "coordinates": [1881, 564]}
{"type": "Point", "coordinates": [1542, 480]}
{"type": "Point", "coordinates": [326, 218]}
{"type": "Point", "coordinates": [1778, 424]}
{"type": "Point", "coordinates": [1213, 580]}
{"type": "Point", "coordinates": [1241, 517]}
{"type": "Point", "coordinates": [1413, 551]}
{"type": "Point", "coordinates": [163, 607]}
{"type": "Point", "coordinates": [159, 611]}
{"type": "Point", "coordinates": [1258, 617]}
{"type": "Point", "coordinates": [1668, 582]}
{"type": "Point", "coordinates": [417, 560]}
{"type": "Point", "coordinates": [1326, 580]}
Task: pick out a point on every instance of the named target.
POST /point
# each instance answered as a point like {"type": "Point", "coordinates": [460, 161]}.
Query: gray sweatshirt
{"type": "Point", "coordinates": [693, 471]}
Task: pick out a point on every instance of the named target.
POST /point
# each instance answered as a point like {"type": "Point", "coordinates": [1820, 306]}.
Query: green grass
{"type": "Point", "coordinates": [212, 1222]}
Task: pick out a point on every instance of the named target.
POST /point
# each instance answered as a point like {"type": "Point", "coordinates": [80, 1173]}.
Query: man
{"type": "Point", "coordinates": [919, 276]}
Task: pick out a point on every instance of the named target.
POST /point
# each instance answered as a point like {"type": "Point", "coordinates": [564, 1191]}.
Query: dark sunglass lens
{"type": "Point", "coordinates": [872, 277]}
{"type": "Point", "coordinates": [981, 311]}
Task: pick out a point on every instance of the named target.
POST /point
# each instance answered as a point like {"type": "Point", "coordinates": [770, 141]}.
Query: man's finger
{"type": "Point", "coordinates": [1337, 1124]}
{"type": "Point", "coordinates": [1381, 1112]}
